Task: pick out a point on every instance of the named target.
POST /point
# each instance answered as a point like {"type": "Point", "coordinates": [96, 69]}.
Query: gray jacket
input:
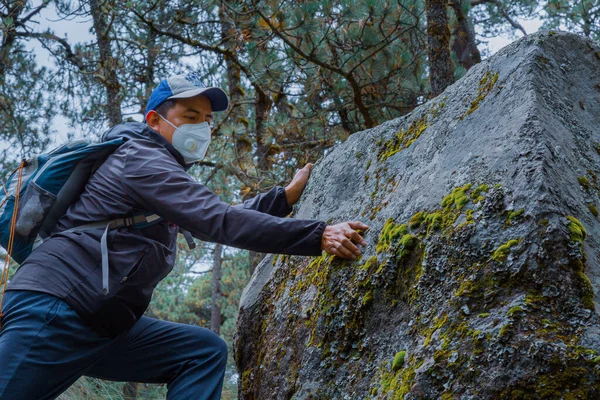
{"type": "Point", "coordinates": [146, 174]}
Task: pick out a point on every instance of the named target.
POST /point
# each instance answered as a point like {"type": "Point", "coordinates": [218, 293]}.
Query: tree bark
{"type": "Point", "coordinates": [148, 76]}
{"type": "Point", "coordinates": [237, 115]}
{"type": "Point", "coordinates": [107, 64]}
{"type": "Point", "coordinates": [464, 45]}
{"type": "Point", "coordinates": [215, 315]}
{"type": "Point", "coordinates": [9, 35]}
{"type": "Point", "coordinates": [262, 106]}
{"type": "Point", "coordinates": [441, 71]}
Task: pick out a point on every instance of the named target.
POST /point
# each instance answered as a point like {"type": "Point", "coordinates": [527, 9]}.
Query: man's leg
{"type": "Point", "coordinates": [44, 346]}
{"type": "Point", "coordinates": [190, 359]}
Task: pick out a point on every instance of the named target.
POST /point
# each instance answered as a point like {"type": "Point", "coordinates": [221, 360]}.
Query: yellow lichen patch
{"type": "Point", "coordinates": [469, 218]}
{"type": "Point", "coordinates": [501, 253]}
{"type": "Point", "coordinates": [452, 207]}
{"type": "Point", "coordinates": [399, 382]}
{"type": "Point", "coordinates": [476, 195]}
{"type": "Point", "coordinates": [486, 84]}
{"type": "Point", "coordinates": [476, 288]}
{"type": "Point", "coordinates": [367, 298]}
{"type": "Point", "coordinates": [369, 264]}
{"type": "Point", "coordinates": [437, 324]}
{"type": "Point", "coordinates": [593, 209]}
{"type": "Point", "coordinates": [437, 107]}
{"type": "Point", "coordinates": [315, 273]}
{"type": "Point", "coordinates": [578, 232]}
{"type": "Point", "coordinates": [403, 139]}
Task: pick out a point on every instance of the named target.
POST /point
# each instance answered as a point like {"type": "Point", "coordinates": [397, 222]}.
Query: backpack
{"type": "Point", "coordinates": [42, 189]}
{"type": "Point", "coordinates": [49, 183]}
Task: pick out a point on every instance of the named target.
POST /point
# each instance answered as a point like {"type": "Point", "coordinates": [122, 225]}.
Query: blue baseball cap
{"type": "Point", "coordinates": [185, 86]}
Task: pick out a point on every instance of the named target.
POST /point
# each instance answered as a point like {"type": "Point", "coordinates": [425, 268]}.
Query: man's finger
{"type": "Point", "coordinates": [358, 225]}
{"type": "Point", "coordinates": [350, 246]}
{"type": "Point", "coordinates": [356, 238]}
{"type": "Point", "coordinates": [343, 252]}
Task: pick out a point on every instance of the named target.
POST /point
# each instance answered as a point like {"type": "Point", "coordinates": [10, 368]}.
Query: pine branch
{"type": "Point", "coordinates": [70, 56]}
{"type": "Point", "coordinates": [369, 123]}
{"type": "Point", "coordinates": [515, 24]}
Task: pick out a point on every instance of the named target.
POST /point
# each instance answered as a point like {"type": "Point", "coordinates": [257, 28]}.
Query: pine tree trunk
{"type": "Point", "coordinates": [464, 45]}
{"type": "Point", "coordinates": [152, 52]}
{"type": "Point", "coordinates": [9, 36]}
{"type": "Point", "coordinates": [234, 82]}
{"type": "Point", "coordinates": [107, 74]}
{"type": "Point", "coordinates": [262, 106]}
{"type": "Point", "coordinates": [215, 315]}
{"type": "Point", "coordinates": [441, 71]}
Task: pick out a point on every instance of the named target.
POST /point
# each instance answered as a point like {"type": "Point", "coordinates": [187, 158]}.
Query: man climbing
{"type": "Point", "coordinates": [75, 306]}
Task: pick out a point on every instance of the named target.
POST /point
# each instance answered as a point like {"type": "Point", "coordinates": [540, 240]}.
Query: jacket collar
{"type": "Point", "coordinates": [138, 130]}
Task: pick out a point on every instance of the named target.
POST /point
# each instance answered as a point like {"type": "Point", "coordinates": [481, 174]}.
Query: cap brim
{"type": "Point", "coordinates": [218, 98]}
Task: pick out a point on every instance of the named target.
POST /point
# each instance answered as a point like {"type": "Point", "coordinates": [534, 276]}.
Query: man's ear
{"type": "Point", "coordinates": [152, 119]}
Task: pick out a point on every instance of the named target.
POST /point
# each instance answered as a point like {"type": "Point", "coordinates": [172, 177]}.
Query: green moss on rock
{"type": "Point", "coordinates": [583, 181]}
{"type": "Point", "coordinates": [367, 298]}
{"type": "Point", "coordinates": [576, 228]}
{"type": "Point", "coordinates": [513, 215]}
{"type": "Point", "coordinates": [515, 311]}
{"type": "Point", "coordinates": [458, 198]}
{"type": "Point", "coordinates": [398, 360]}
{"type": "Point", "coordinates": [501, 253]}
{"type": "Point", "coordinates": [417, 219]}
{"type": "Point", "coordinates": [587, 289]}
{"type": "Point", "coordinates": [390, 232]}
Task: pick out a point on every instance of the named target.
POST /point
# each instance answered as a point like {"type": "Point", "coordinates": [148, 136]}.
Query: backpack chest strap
{"type": "Point", "coordinates": [136, 221]}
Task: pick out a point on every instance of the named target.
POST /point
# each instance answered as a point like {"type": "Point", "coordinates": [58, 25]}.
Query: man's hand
{"type": "Point", "coordinates": [293, 191]}
{"type": "Point", "coordinates": [338, 239]}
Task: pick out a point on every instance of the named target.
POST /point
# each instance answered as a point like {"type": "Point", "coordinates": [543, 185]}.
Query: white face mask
{"type": "Point", "coordinates": [191, 140]}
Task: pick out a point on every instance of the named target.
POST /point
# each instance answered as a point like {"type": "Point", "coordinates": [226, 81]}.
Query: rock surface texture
{"type": "Point", "coordinates": [480, 279]}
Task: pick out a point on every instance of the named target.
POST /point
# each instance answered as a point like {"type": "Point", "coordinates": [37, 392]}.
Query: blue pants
{"type": "Point", "coordinates": [45, 347]}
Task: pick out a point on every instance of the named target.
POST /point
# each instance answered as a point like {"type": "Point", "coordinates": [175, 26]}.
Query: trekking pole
{"type": "Point", "coordinates": [11, 238]}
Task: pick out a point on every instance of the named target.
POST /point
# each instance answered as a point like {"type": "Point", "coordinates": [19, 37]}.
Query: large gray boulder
{"type": "Point", "coordinates": [480, 278]}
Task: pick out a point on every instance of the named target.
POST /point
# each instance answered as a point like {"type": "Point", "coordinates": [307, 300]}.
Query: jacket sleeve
{"type": "Point", "coordinates": [272, 202]}
{"type": "Point", "coordinates": [157, 183]}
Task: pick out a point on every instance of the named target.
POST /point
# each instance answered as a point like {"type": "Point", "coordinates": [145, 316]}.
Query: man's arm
{"type": "Point", "coordinates": [273, 202]}
{"type": "Point", "coordinates": [279, 201]}
{"type": "Point", "coordinates": [156, 183]}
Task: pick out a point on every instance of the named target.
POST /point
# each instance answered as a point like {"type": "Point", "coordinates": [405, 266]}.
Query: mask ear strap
{"type": "Point", "coordinates": [164, 119]}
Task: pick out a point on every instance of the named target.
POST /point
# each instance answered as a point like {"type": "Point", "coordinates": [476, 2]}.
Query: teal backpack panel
{"type": "Point", "coordinates": [50, 183]}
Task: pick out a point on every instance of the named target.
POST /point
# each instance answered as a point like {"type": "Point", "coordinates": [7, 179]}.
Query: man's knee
{"type": "Point", "coordinates": [208, 345]}
{"type": "Point", "coordinates": [220, 349]}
